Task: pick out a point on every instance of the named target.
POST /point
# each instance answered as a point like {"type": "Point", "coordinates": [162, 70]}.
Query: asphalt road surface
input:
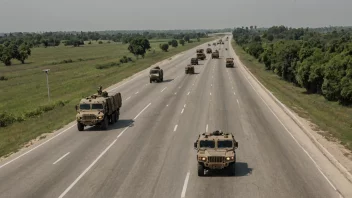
{"type": "Point", "coordinates": [149, 152]}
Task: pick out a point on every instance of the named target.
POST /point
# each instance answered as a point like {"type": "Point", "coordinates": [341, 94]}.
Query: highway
{"type": "Point", "coordinates": [149, 152]}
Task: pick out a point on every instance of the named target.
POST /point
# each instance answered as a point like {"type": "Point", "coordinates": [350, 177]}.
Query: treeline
{"type": "Point", "coordinates": [320, 61]}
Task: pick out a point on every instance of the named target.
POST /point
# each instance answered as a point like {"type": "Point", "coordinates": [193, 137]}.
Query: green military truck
{"type": "Point", "coordinates": [98, 109]}
{"type": "Point", "coordinates": [216, 151]}
{"type": "Point", "coordinates": [215, 54]}
{"type": "Point", "coordinates": [194, 61]}
{"type": "Point", "coordinates": [189, 69]}
{"type": "Point", "coordinates": [201, 56]}
{"type": "Point", "coordinates": [209, 51]}
{"type": "Point", "coordinates": [156, 74]}
{"type": "Point", "coordinates": [229, 62]}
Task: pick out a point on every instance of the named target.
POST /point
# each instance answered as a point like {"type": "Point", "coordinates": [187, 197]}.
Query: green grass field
{"type": "Point", "coordinates": [25, 90]}
{"type": "Point", "coordinates": [332, 119]}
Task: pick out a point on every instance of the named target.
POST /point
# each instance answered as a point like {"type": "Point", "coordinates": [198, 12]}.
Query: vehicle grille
{"type": "Point", "coordinates": [216, 159]}
{"type": "Point", "coordinates": [89, 117]}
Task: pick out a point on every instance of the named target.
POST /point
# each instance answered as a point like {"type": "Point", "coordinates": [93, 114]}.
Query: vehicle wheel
{"type": "Point", "coordinates": [232, 169]}
{"type": "Point", "coordinates": [150, 81]}
{"type": "Point", "coordinates": [186, 72]}
{"type": "Point", "coordinates": [200, 170]}
{"type": "Point", "coordinates": [105, 123]}
{"type": "Point", "coordinates": [80, 126]}
{"type": "Point", "coordinates": [113, 118]}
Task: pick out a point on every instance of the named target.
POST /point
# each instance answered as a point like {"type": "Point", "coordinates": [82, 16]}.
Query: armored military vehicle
{"type": "Point", "coordinates": [209, 51]}
{"type": "Point", "coordinates": [214, 44]}
{"type": "Point", "coordinates": [216, 151]}
{"type": "Point", "coordinates": [200, 50]}
{"type": "Point", "coordinates": [215, 54]}
{"type": "Point", "coordinates": [156, 74]}
{"type": "Point", "coordinates": [201, 56]}
{"type": "Point", "coordinates": [98, 109]}
{"type": "Point", "coordinates": [189, 69]}
{"type": "Point", "coordinates": [229, 62]}
{"type": "Point", "coordinates": [194, 61]}
{"type": "Point", "coordinates": [209, 44]}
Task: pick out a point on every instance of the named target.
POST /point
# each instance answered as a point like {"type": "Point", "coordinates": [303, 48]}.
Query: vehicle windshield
{"type": "Point", "coordinates": [154, 72]}
{"type": "Point", "coordinates": [225, 144]}
{"type": "Point", "coordinates": [97, 106]}
{"type": "Point", "coordinates": [207, 144]}
{"type": "Point", "coordinates": [84, 106]}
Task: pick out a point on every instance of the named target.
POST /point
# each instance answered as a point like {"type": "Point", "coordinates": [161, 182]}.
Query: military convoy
{"type": "Point", "coordinates": [215, 54]}
{"type": "Point", "coordinates": [156, 74]}
{"type": "Point", "coordinates": [200, 50]}
{"type": "Point", "coordinates": [98, 109]}
{"type": "Point", "coordinates": [229, 62]}
{"type": "Point", "coordinates": [201, 56]}
{"type": "Point", "coordinates": [194, 61]}
{"type": "Point", "coordinates": [209, 51]}
{"type": "Point", "coordinates": [216, 151]}
{"type": "Point", "coordinates": [189, 69]}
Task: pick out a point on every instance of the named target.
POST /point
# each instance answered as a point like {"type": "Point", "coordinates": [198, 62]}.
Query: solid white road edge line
{"type": "Point", "coordinates": [184, 189]}
{"type": "Point", "coordinates": [206, 129]}
{"type": "Point", "coordinates": [128, 98]}
{"type": "Point", "coordinates": [61, 158]}
{"type": "Point", "coordinates": [163, 89]}
{"type": "Point", "coordinates": [142, 111]}
{"type": "Point", "coordinates": [37, 146]}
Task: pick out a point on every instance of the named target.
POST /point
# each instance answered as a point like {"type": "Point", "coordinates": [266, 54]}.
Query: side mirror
{"type": "Point", "coordinates": [236, 144]}
{"type": "Point", "coordinates": [195, 145]}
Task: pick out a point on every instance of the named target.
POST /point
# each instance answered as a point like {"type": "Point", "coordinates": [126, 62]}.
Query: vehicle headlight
{"type": "Point", "coordinates": [203, 158]}
{"type": "Point", "coordinates": [229, 158]}
{"type": "Point", "coordinates": [100, 117]}
{"type": "Point", "coordinates": [79, 118]}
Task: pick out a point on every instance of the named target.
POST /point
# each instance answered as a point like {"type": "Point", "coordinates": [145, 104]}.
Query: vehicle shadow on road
{"type": "Point", "coordinates": [120, 124]}
{"type": "Point", "coordinates": [242, 170]}
{"type": "Point", "coordinates": [166, 81]}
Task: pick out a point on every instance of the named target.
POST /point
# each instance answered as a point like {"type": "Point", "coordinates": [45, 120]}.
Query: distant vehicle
{"type": "Point", "coordinates": [215, 54]}
{"type": "Point", "coordinates": [214, 44]}
{"type": "Point", "coordinates": [216, 151]}
{"type": "Point", "coordinates": [201, 56]}
{"type": "Point", "coordinates": [189, 69]}
{"type": "Point", "coordinates": [98, 109]}
{"type": "Point", "coordinates": [225, 48]}
{"type": "Point", "coordinates": [229, 62]}
{"type": "Point", "coordinates": [194, 61]}
{"type": "Point", "coordinates": [209, 44]}
{"type": "Point", "coordinates": [156, 74]}
{"type": "Point", "coordinates": [200, 50]}
{"type": "Point", "coordinates": [209, 51]}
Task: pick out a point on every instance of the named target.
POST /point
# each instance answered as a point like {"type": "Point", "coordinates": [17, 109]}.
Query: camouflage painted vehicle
{"type": "Point", "coordinates": [194, 61]}
{"type": "Point", "coordinates": [98, 109]}
{"type": "Point", "coordinates": [200, 50]}
{"type": "Point", "coordinates": [216, 151]}
{"type": "Point", "coordinates": [201, 56]}
{"type": "Point", "coordinates": [214, 44]}
{"type": "Point", "coordinates": [189, 69]}
{"type": "Point", "coordinates": [215, 54]}
{"type": "Point", "coordinates": [156, 74]}
{"type": "Point", "coordinates": [229, 62]}
{"type": "Point", "coordinates": [209, 51]}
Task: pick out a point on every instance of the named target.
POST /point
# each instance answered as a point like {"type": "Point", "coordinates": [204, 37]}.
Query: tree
{"type": "Point", "coordinates": [182, 42]}
{"type": "Point", "coordinates": [270, 37]}
{"type": "Point", "coordinates": [164, 47]}
{"type": "Point", "coordinates": [5, 55]}
{"type": "Point", "coordinates": [23, 52]}
{"type": "Point", "coordinates": [169, 42]}
{"type": "Point", "coordinates": [174, 43]}
{"type": "Point", "coordinates": [100, 42]}
{"type": "Point", "coordinates": [186, 38]}
{"type": "Point", "coordinates": [139, 46]}
{"type": "Point", "coordinates": [198, 39]}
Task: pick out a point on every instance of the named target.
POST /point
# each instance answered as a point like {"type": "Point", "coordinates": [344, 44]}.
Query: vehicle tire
{"type": "Point", "coordinates": [185, 72]}
{"type": "Point", "coordinates": [113, 118]}
{"type": "Point", "coordinates": [150, 81]}
{"type": "Point", "coordinates": [105, 123]}
{"type": "Point", "coordinates": [80, 126]}
{"type": "Point", "coordinates": [232, 169]}
{"type": "Point", "coordinates": [200, 170]}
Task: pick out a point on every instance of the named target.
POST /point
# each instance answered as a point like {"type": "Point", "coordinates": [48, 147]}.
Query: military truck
{"type": "Point", "coordinates": [194, 61]}
{"type": "Point", "coordinates": [156, 74]}
{"type": "Point", "coordinates": [229, 62]}
{"type": "Point", "coordinates": [209, 51]}
{"type": "Point", "coordinates": [216, 151]}
{"type": "Point", "coordinates": [209, 44]}
{"type": "Point", "coordinates": [214, 44]}
{"type": "Point", "coordinates": [98, 109]}
{"type": "Point", "coordinates": [200, 50]}
{"type": "Point", "coordinates": [189, 69]}
{"type": "Point", "coordinates": [215, 54]}
{"type": "Point", "coordinates": [201, 56]}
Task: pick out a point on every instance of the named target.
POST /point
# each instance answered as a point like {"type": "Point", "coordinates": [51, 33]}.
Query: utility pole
{"type": "Point", "coordinates": [47, 81]}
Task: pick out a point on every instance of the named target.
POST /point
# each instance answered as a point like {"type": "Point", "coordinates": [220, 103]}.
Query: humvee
{"type": "Point", "coordinates": [209, 50]}
{"type": "Point", "coordinates": [189, 69]}
{"type": "Point", "coordinates": [194, 61]}
{"type": "Point", "coordinates": [215, 54]}
{"type": "Point", "coordinates": [200, 50]}
{"type": "Point", "coordinates": [229, 62]}
{"type": "Point", "coordinates": [156, 74]}
{"type": "Point", "coordinates": [201, 56]}
{"type": "Point", "coordinates": [216, 151]}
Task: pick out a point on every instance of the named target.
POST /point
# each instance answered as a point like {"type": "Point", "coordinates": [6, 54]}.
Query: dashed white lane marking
{"type": "Point", "coordinates": [188, 93]}
{"type": "Point", "coordinates": [234, 93]}
{"type": "Point", "coordinates": [175, 93]}
{"type": "Point", "coordinates": [128, 98]}
{"type": "Point", "coordinates": [167, 105]}
{"type": "Point", "coordinates": [185, 184]}
{"type": "Point", "coordinates": [184, 105]}
{"type": "Point", "coordinates": [232, 87]}
{"type": "Point", "coordinates": [61, 158]}
{"type": "Point", "coordinates": [238, 102]}
{"type": "Point", "coordinates": [142, 111]}
{"type": "Point", "coordinates": [136, 92]}
{"type": "Point", "coordinates": [210, 93]}
{"type": "Point", "coordinates": [182, 111]}
{"type": "Point", "coordinates": [211, 85]}
{"type": "Point", "coordinates": [206, 129]}
{"type": "Point", "coordinates": [163, 89]}
{"type": "Point", "coordinates": [175, 128]}
{"type": "Point", "coordinates": [179, 87]}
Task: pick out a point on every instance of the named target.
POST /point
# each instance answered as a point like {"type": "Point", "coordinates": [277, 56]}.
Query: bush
{"type": "Point", "coordinates": [100, 42]}
{"type": "Point", "coordinates": [6, 119]}
{"type": "Point", "coordinates": [107, 65]}
{"type": "Point", "coordinates": [90, 42]}
{"type": "Point", "coordinates": [2, 78]}
{"type": "Point", "coordinates": [164, 47]}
